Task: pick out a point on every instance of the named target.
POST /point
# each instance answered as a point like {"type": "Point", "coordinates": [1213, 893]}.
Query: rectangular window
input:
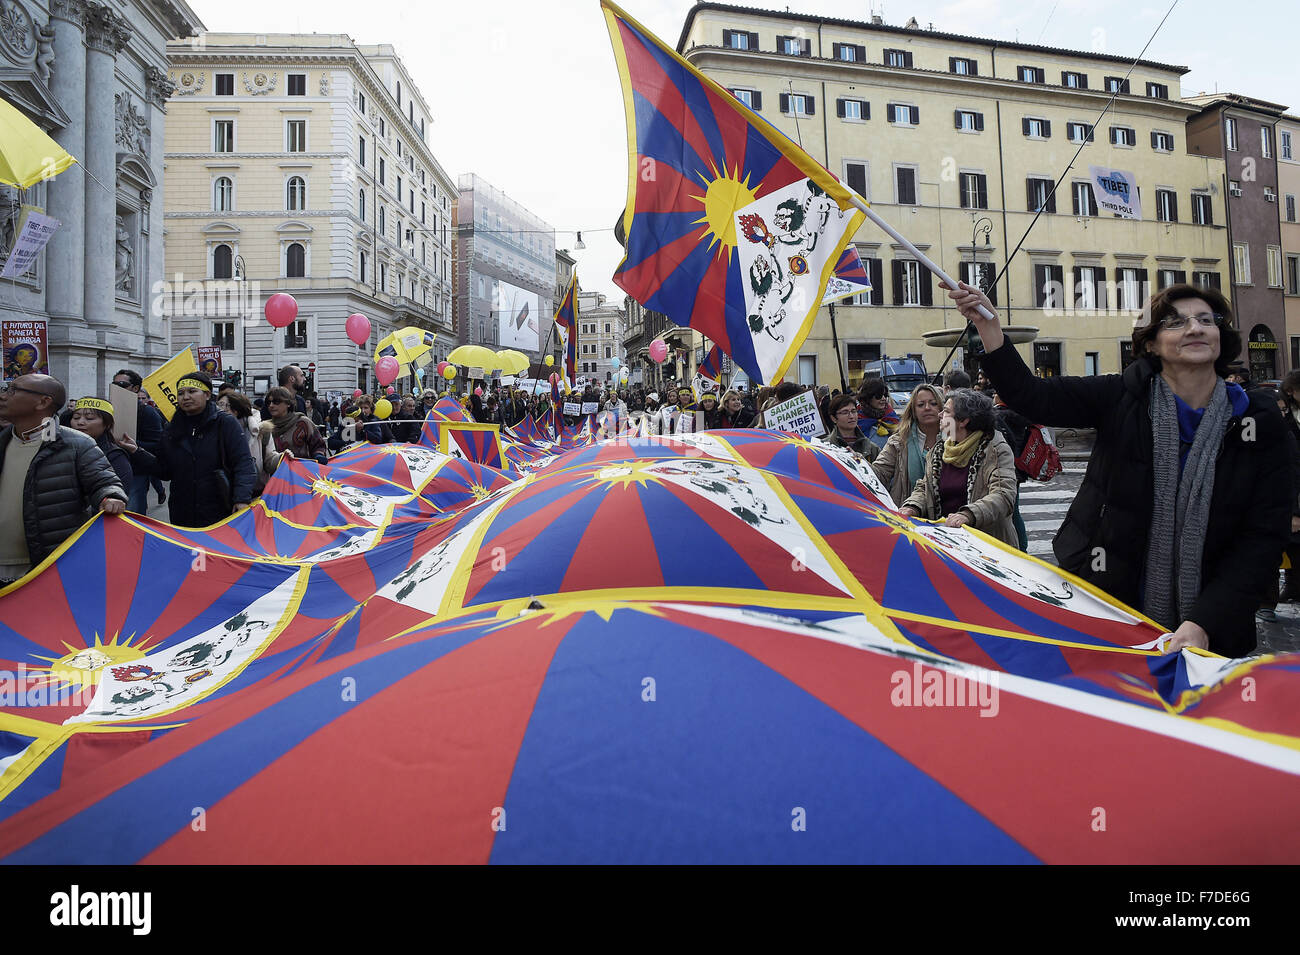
{"type": "Point", "coordinates": [1129, 283]}
{"type": "Point", "coordinates": [1274, 267]}
{"type": "Point", "coordinates": [383, 171]}
{"type": "Point", "coordinates": [739, 40]}
{"type": "Point", "coordinates": [911, 283]}
{"type": "Point", "coordinates": [1168, 277]}
{"type": "Point", "coordinates": [1078, 132]}
{"type": "Point", "coordinates": [361, 103]}
{"type": "Point", "coordinates": [1157, 91]}
{"type": "Point", "coordinates": [1039, 195]}
{"type": "Point", "coordinates": [853, 109]}
{"type": "Point", "coordinates": [1266, 142]}
{"type": "Point", "coordinates": [1290, 208]}
{"type": "Point", "coordinates": [1230, 132]}
{"type": "Point", "coordinates": [1162, 142]}
{"type": "Point", "coordinates": [963, 66]}
{"type": "Point", "coordinates": [849, 53]}
{"type": "Point", "coordinates": [1074, 81]}
{"type": "Point", "coordinates": [1166, 205]}
{"type": "Point", "coordinates": [968, 120]}
{"type": "Point", "coordinates": [901, 115]}
{"type": "Point", "coordinates": [898, 58]}
{"type": "Point", "coordinates": [223, 134]}
{"type": "Point", "coordinates": [1293, 275]}
{"type": "Point", "coordinates": [1049, 286]}
{"type": "Point", "coordinates": [855, 176]}
{"type": "Point", "coordinates": [974, 190]}
{"type": "Point", "coordinates": [1206, 279]}
{"type": "Point", "coordinates": [793, 46]}
{"type": "Point", "coordinates": [1031, 74]}
{"type": "Point", "coordinates": [223, 335]}
{"type": "Point", "coordinates": [980, 274]}
{"type": "Point", "coordinates": [1123, 136]}
{"type": "Point", "coordinates": [798, 104]}
{"type": "Point", "coordinates": [751, 98]}
{"type": "Point", "coordinates": [295, 334]}
{"type": "Point", "coordinates": [297, 84]}
{"type": "Point", "coordinates": [296, 141]}
{"type": "Point", "coordinates": [361, 151]}
{"type": "Point", "coordinates": [225, 84]}
{"type": "Point", "coordinates": [1090, 363]}
{"type": "Point", "coordinates": [1085, 200]}
{"type": "Point", "coordinates": [1270, 194]}
{"type": "Point", "coordinates": [1089, 288]}
{"type": "Point", "coordinates": [1116, 84]}
{"type": "Point", "coordinates": [905, 183]}
{"type": "Point", "coordinates": [1202, 209]}
{"type": "Point", "coordinates": [1286, 144]}
{"type": "Point", "coordinates": [1241, 263]}
{"type": "Point", "coordinates": [1036, 128]}
{"type": "Point", "coordinates": [1234, 188]}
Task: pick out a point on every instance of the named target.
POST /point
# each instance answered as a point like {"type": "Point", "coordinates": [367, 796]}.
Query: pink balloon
{"type": "Point", "coordinates": [358, 393]}
{"type": "Point", "coordinates": [555, 379]}
{"type": "Point", "coordinates": [358, 328]}
{"type": "Point", "coordinates": [386, 370]}
{"type": "Point", "coordinates": [441, 366]}
{"type": "Point", "coordinates": [281, 309]}
{"type": "Point", "coordinates": [391, 390]}
{"type": "Point", "coordinates": [479, 392]}
{"type": "Point", "coordinates": [658, 351]}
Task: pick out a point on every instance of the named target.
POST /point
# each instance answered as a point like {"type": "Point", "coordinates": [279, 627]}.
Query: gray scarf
{"type": "Point", "coordinates": [1181, 507]}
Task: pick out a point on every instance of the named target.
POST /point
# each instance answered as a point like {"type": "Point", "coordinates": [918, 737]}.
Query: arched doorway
{"type": "Point", "coordinates": [1263, 354]}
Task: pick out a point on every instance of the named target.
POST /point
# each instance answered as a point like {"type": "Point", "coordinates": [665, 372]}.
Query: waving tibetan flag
{"type": "Point", "coordinates": [566, 326]}
{"type": "Point", "coordinates": [708, 376]}
{"type": "Point", "coordinates": [731, 228]}
{"type": "Point", "coordinates": [850, 278]}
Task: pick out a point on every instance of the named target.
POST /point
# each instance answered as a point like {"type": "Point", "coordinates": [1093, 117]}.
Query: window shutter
{"type": "Point", "coordinates": [839, 108]}
{"type": "Point", "coordinates": [956, 119]}
{"type": "Point", "coordinates": [726, 37]}
{"type": "Point", "coordinates": [785, 102]}
{"type": "Point", "coordinates": [927, 293]}
{"type": "Point", "coordinates": [1024, 125]}
{"type": "Point", "coordinates": [753, 41]}
{"type": "Point", "coordinates": [952, 64]}
{"type": "Point", "coordinates": [780, 43]}
{"type": "Point", "coordinates": [1119, 289]}
{"type": "Point", "coordinates": [1047, 128]}
{"type": "Point", "coordinates": [1173, 207]}
{"type": "Point", "coordinates": [1031, 196]}
{"type": "Point", "coordinates": [1092, 201]}
{"type": "Point", "coordinates": [1142, 284]}
{"type": "Point", "coordinates": [807, 47]}
{"type": "Point", "coordinates": [979, 121]}
{"type": "Point", "coordinates": [1077, 273]}
{"type": "Point", "coordinates": [889, 112]}
{"type": "Point", "coordinates": [875, 268]}
{"type": "Point", "coordinates": [907, 60]}
{"type": "Point", "coordinates": [916, 115]}
{"type": "Point", "coordinates": [1040, 277]}
{"type": "Point", "coordinates": [962, 196]}
{"type": "Point", "coordinates": [1180, 276]}
{"type": "Point", "coordinates": [986, 281]}
{"type": "Point", "coordinates": [1051, 197]}
{"type": "Point", "coordinates": [897, 266]}
{"type": "Point", "coordinates": [811, 103]}
{"type": "Point", "coordinates": [1040, 75]}
{"type": "Point", "coordinates": [758, 100]}
{"type": "Point", "coordinates": [860, 54]}
{"type": "Point", "coordinates": [835, 49]}
{"type": "Point", "coordinates": [982, 187]}
{"type": "Point", "coordinates": [1100, 286]}
{"type": "Point", "coordinates": [1154, 141]}
{"type": "Point", "coordinates": [1214, 279]}
{"type": "Point", "coordinates": [1058, 277]}
{"type": "Point", "coordinates": [866, 110]}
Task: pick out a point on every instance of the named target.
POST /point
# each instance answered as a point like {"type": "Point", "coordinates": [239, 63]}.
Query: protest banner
{"type": "Point", "coordinates": [572, 408]}
{"type": "Point", "coordinates": [799, 416]}
{"type": "Point", "coordinates": [35, 230]}
{"type": "Point", "coordinates": [161, 385]}
{"type": "Point", "coordinates": [126, 407]}
{"type": "Point", "coordinates": [590, 407]}
{"type": "Point", "coordinates": [210, 360]}
{"type": "Point", "coordinates": [23, 342]}
{"type": "Point", "coordinates": [1116, 192]}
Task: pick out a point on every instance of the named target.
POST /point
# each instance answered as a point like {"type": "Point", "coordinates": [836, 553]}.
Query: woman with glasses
{"type": "Point", "coordinates": [288, 432]}
{"type": "Point", "coordinates": [845, 433]}
{"type": "Point", "coordinates": [1185, 507]}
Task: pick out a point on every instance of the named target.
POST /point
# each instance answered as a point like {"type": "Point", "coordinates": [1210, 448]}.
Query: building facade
{"type": "Point", "coordinates": [301, 164]}
{"type": "Point", "coordinates": [956, 141]}
{"type": "Point", "coordinates": [93, 76]}
{"type": "Point", "coordinates": [565, 264]}
{"type": "Point", "coordinates": [1240, 130]}
{"type": "Point", "coordinates": [1288, 187]}
{"type": "Point", "coordinates": [600, 338]}
{"type": "Point", "coordinates": [505, 271]}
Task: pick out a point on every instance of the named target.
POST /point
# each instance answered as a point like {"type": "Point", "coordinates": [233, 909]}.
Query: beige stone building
{"type": "Point", "coordinates": [302, 164]}
{"type": "Point", "coordinates": [1288, 187]}
{"type": "Point", "coordinates": [600, 338]}
{"type": "Point", "coordinates": [956, 142]}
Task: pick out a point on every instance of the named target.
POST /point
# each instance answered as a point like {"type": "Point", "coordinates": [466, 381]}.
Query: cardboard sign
{"type": "Point", "coordinates": [23, 343]}
{"type": "Point", "coordinates": [1116, 192]}
{"type": "Point", "coordinates": [473, 372]}
{"type": "Point", "coordinates": [126, 406]}
{"type": "Point", "coordinates": [799, 416]}
{"type": "Point", "coordinates": [34, 233]}
{"type": "Point", "coordinates": [210, 361]}
{"type": "Point", "coordinates": [589, 407]}
{"type": "Point", "coordinates": [572, 409]}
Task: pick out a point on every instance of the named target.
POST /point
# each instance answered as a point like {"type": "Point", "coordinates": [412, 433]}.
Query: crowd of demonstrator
{"type": "Point", "coordinates": [1190, 499]}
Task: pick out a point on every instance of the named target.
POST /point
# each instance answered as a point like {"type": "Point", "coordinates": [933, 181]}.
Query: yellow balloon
{"type": "Point", "coordinates": [449, 372]}
{"type": "Point", "coordinates": [550, 360]}
{"type": "Point", "coordinates": [383, 408]}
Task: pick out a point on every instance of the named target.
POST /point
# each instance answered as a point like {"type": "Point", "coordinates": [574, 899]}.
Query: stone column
{"type": "Point", "coordinates": [64, 275]}
{"type": "Point", "coordinates": [106, 35]}
{"type": "Point", "coordinates": [157, 89]}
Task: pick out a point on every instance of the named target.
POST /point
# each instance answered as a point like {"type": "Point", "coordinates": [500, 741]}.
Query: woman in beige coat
{"type": "Point", "coordinates": [901, 462]}
{"type": "Point", "coordinates": [970, 478]}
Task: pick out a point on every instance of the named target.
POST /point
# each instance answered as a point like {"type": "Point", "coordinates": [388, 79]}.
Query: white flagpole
{"type": "Point", "coordinates": [921, 257]}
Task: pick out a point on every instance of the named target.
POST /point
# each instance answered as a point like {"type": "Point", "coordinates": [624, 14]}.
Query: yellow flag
{"type": "Point", "coordinates": [161, 385]}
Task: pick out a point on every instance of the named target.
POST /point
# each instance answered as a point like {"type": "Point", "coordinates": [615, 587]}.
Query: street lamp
{"type": "Point", "coordinates": [982, 226]}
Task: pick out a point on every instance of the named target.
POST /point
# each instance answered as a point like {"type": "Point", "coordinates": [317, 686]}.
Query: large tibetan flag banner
{"type": "Point", "coordinates": [731, 228]}
{"type": "Point", "coordinates": [566, 326]}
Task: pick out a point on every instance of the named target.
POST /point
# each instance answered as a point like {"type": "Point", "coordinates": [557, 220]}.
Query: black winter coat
{"type": "Point", "coordinates": [190, 457]}
{"type": "Point", "coordinates": [68, 479]}
{"type": "Point", "coordinates": [1103, 538]}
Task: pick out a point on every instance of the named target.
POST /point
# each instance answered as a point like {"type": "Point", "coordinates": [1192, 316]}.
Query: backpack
{"type": "Point", "coordinates": [1038, 458]}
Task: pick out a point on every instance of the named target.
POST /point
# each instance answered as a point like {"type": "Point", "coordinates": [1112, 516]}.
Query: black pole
{"type": "Point", "coordinates": [541, 362]}
{"type": "Point", "coordinates": [839, 359]}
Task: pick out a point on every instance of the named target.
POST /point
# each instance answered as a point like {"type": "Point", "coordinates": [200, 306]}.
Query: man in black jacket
{"type": "Point", "coordinates": [51, 477]}
{"type": "Point", "coordinates": [205, 454]}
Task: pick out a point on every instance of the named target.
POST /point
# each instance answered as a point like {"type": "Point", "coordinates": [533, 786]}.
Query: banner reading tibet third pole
{"type": "Point", "coordinates": [731, 228]}
{"type": "Point", "coordinates": [1116, 191]}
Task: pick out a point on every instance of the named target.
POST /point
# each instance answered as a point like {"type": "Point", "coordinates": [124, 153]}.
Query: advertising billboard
{"type": "Point", "coordinates": [518, 315]}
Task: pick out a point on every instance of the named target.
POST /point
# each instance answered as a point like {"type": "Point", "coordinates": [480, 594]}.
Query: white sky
{"type": "Point", "coordinates": [526, 93]}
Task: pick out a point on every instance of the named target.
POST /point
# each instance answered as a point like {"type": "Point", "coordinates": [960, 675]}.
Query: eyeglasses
{"type": "Point", "coordinates": [5, 388]}
{"type": "Point", "coordinates": [276, 401]}
{"type": "Point", "coordinates": [122, 384]}
{"type": "Point", "coordinates": [1205, 320]}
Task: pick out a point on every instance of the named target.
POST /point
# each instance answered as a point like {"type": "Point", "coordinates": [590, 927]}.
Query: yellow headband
{"type": "Point", "coordinates": [192, 383]}
{"type": "Point", "coordinates": [95, 404]}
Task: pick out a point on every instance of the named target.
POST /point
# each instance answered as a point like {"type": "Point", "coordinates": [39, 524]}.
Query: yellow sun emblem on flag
{"type": "Point", "coordinates": [725, 194]}
{"type": "Point", "coordinates": [326, 488]}
{"type": "Point", "coordinates": [480, 492]}
{"type": "Point", "coordinates": [625, 474]}
{"type": "Point", "coordinates": [901, 525]}
{"type": "Point", "coordinates": [83, 666]}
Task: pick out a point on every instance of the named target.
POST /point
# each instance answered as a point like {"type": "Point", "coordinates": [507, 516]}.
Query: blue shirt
{"type": "Point", "coordinates": [1189, 419]}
